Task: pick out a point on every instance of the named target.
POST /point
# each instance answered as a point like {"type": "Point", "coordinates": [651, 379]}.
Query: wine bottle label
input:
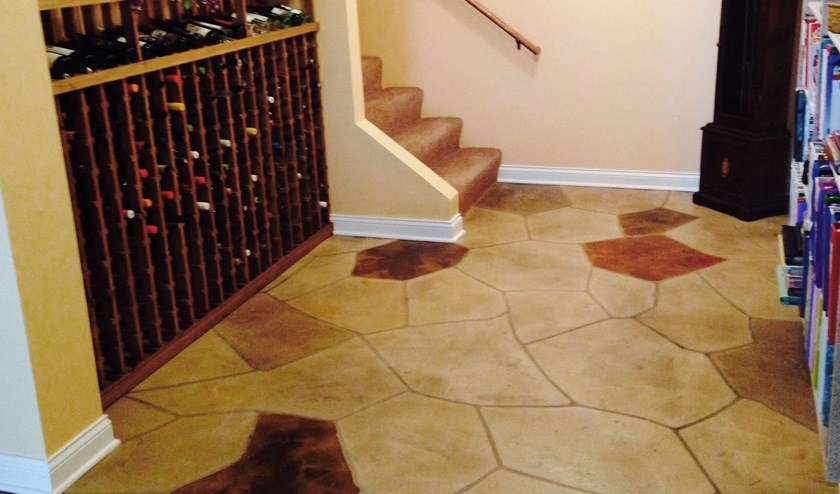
{"type": "Point", "coordinates": [278, 11]}
{"type": "Point", "coordinates": [59, 50]}
{"type": "Point", "coordinates": [256, 17]}
{"type": "Point", "coordinates": [52, 57]}
{"type": "Point", "coordinates": [196, 29]}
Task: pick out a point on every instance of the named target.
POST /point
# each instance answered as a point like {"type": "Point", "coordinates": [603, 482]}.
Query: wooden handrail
{"type": "Point", "coordinates": [520, 39]}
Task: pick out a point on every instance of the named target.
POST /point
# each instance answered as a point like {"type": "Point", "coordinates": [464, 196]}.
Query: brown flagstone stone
{"type": "Point", "coordinates": [404, 260]}
{"type": "Point", "coordinates": [653, 221]}
{"type": "Point", "coordinates": [285, 454]}
{"type": "Point", "coordinates": [772, 371]}
{"type": "Point", "coordinates": [524, 199]}
{"type": "Point", "coordinates": [652, 258]}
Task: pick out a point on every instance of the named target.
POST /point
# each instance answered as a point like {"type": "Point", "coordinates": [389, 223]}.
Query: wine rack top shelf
{"type": "Point", "coordinates": [103, 76]}
{"type": "Point", "coordinates": [63, 4]}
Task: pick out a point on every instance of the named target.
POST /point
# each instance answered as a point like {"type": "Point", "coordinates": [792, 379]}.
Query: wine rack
{"type": "Point", "coordinates": [195, 179]}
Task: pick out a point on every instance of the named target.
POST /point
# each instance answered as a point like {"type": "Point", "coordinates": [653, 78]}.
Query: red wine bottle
{"type": "Point", "coordinates": [65, 66]}
{"type": "Point", "coordinates": [91, 56]}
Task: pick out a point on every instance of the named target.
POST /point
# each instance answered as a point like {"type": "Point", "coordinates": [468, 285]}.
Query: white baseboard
{"type": "Point", "coordinates": [398, 228]}
{"type": "Point", "coordinates": [543, 175]}
{"type": "Point", "coordinates": [33, 476]}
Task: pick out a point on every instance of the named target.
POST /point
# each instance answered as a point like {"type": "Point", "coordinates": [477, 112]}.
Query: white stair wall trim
{"type": "Point", "coordinates": [55, 475]}
{"type": "Point", "coordinates": [399, 228]}
{"type": "Point", "coordinates": [590, 177]}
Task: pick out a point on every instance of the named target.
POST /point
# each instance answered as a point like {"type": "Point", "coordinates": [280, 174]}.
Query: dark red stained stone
{"type": "Point", "coordinates": [772, 370]}
{"type": "Point", "coordinates": [286, 455]}
{"type": "Point", "coordinates": [652, 258]}
{"type": "Point", "coordinates": [404, 260]}
{"type": "Point", "coordinates": [653, 221]}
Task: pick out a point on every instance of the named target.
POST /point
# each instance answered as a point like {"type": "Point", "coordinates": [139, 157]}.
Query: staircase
{"type": "Point", "coordinates": [434, 141]}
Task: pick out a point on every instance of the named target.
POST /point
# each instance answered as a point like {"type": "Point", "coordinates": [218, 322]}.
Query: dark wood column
{"type": "Point", "coordinates": [746, 149]}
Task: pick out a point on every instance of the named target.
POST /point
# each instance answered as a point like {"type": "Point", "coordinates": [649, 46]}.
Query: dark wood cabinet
{"type": "Point", "coordinates": [746, 149]}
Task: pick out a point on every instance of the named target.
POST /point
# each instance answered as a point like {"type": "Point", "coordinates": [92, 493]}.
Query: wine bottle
{"type": "Point", "coordinates": [171, 36]}
{"type": "Point", "coordinates": [297, 16]}
{"type": "Point", "coordinates": [230, 27]}
{"type": "Point", "coordinates": [95, 58]}
{"type": "Point", "coordinates": [64, 66]}
{"type": "Point", "coordinates": [149, 46]}
{"type": "Point", "coordinates": [123, 51]}
{"type": "Point", "coordinates": [85, 63]}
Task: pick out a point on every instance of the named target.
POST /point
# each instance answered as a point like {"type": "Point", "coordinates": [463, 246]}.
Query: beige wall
{"type": "Point", "coordinates": [618, 85]}
{"type": "Point", "coordinates": [369, 174]}
{"type": "Point", "coordinates": [43, 243]}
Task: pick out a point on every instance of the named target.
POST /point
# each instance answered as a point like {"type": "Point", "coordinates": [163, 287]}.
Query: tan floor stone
{"type": "Point", "coordinates": [177, 454]}
{"type": "Point", "coordinates": [268, 333]}
{"type": "Point", "coordinates": [327, 385]}
{"type": "Point", "coordinates": [749, 448]}
{"type": "Point", "coordinates": [207, 358]}
{"type": "Point", "coordinates": [343, 245]}
{"type": "Point", "coordinates": [622, 295]}
{"type": "Point", "coordinates": [539, 315]}
{"type": "Point", "coordinates": [504, 481]}
{"type": "Point", "coordinates": [724, 237]}
{"type": "Point", "coordinates": [615, 201]}
{"type": "Point", "coordinates": [574, 226]}
{"type": "Point", "coordinates": [411, 444]}
{"type": "Point", "coordinates": [363, 305]}
{"type": "Point", "coordinates": [529, 265]}
{"type": "Point", "coordinates": [693, 315]}
{"type": "Point", "coordinates": [451, 295]}
{"type": "Point", "coordinates": [473, 362]}
{"type": "Point", "coordinates": [485, 227]}
{"type": "Point", "coordinates": [622, 366]}
{"type": "Point", "coordinates": [596, 451]}
{"type": "Point", "coordinates": [524, 199]}
{"type": "Point", "coordinates": [750, 284]}
{"type": "Point", "coordinates": [131, 418]}
{"type": "Point", "coordinates": [289, 272]}
{"type": "Point", "coordinates": [318, 273]}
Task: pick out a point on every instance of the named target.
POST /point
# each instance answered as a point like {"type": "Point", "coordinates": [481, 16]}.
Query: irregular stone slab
{"type": "Point", "coordinates": [615, 201]}
{"type": "Point", "coordinates": [652, 258]}
{"type": "Point", "coordinates": [416, 444]}
{"type": "Point", "coordinates": [773, 371]}
{"type": "Point", "coordinates": [539, 315]}
{"type": "Point", "coordinates": [622, 295]}
{"type": "Point", "coordinates": [359, 304]}
{"type": "Point", "coordinates": [573, 226]}
{"type": "Point", "coordinates": [321, 272]}
{"type": "Point", "coordinates": [690, 313]}
{"type": "Point", "coordinates": [749, 448]}
{"type": "Point", "coordinates": [293, 454]}
{"type": "Point", "coordinates": [403, 260]}
{"type": "Point", "coordinates": [328, 385]}
{"type": "Point", "coordinates": [529, 265]}
{"type": "Point", "coordinates": [472, 362]}
{"type": "Point", "coordinates": [594, 450]}
{"type": "Point", "coordinates": [524, 199]}
{"type": "Point", "coordinates": [485, 227]}
{"type": "Point", "coordinates": [449, 296]}
{"type": "Point", "coordinates": [132, 418]}
{"type": "Point", "coordinates": [167, 458]}
{"type": "Point", "coordinates": [268, 333]}
{"type": "Point", "coordinates": [653, 221]}
{"type": "Point", "coordinates": [505, 481]}
{"type": "Point", "coordinates": [622, 366]}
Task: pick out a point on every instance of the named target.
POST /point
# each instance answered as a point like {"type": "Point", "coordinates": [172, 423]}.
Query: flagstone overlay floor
{"type": "Point", "coordinates": [575, 340]}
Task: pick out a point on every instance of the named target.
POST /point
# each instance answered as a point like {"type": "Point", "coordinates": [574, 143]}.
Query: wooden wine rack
{"type": "Point", "coordinates": [195, 179]}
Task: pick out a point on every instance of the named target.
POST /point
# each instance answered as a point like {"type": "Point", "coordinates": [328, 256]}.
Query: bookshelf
{"type": "Point", "coordinates": [196, 178]}
{"type": "Point", "coordinates": [814, 211]}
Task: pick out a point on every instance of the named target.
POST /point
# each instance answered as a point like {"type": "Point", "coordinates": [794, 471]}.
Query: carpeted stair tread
{"type": "Point", "coordinates": [431, 138]}
{"type": "Point", "coordinates": [471, 171]}
{"type": "Point", "coordinates": [372, 74]}
{"type": "Point", "coordinates": [395, 108]}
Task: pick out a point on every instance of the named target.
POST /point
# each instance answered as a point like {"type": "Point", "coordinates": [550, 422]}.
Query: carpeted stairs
{"type": "Point", "coordinates": [434, 141]}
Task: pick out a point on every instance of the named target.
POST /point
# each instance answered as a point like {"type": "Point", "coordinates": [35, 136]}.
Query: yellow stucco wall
{"type": "Point", "coordinates": [42, 234]}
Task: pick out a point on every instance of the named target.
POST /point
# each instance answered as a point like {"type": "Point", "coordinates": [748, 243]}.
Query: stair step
{"type": "Point", "coordinates": [471, 171]}
{"type": "Point", "coordinates": [431, 138]}
{"type": "Point", "coordinates": [372, 74]}
{"type": "Point", "coordinates": [394, 108]}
